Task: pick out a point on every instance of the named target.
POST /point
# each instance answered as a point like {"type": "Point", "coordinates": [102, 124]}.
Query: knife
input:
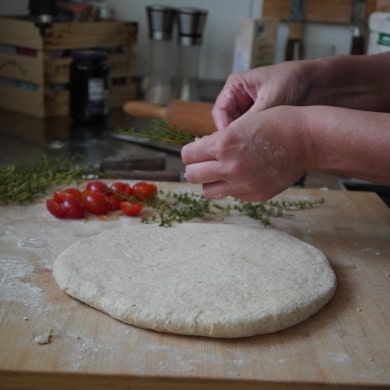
{"type": "Point", "coordinates": [294, 48]}
{"type": "Point", "coordinates": [358, 26]}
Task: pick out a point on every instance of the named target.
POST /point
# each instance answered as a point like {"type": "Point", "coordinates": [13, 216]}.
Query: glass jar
{"type": "Point", "coordinates": [89, 86]}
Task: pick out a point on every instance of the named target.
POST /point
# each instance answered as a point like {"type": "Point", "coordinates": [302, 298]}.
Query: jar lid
{"type": "Point", "coordinates": [93, 55]}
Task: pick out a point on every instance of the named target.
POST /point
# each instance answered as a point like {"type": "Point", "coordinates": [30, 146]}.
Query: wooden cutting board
{"type": "Point", "coordinates": [347, 344]}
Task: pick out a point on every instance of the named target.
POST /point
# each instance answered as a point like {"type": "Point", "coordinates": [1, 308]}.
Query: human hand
{"type": "Point", "coordinates": [254, 158]}
{"type": "Point", "coordinates": [287, 83]}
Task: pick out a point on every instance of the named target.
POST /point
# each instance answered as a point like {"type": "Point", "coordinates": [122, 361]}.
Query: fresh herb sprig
{"type": "Point", "coordinates": [160, 131]}
{"type": "Point", "coordinates": [171, 207]}
{"type": "Point", "coordinates": [21, 182]}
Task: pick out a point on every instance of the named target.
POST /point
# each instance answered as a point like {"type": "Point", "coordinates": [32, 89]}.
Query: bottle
{"type": "Point", "coordinates": [191, 22]}
{"type": "Point", "coordinates": [159, 83]}
{"type": "Point", "coordinates": [89, 86]}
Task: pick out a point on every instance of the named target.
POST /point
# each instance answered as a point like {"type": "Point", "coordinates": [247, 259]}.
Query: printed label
{"type": "Point", "coordinates": [95, 89]}
{"type": "Point", "coordinates": [97, 97]}
{"type": "Point", "coordinates": [383, 39]}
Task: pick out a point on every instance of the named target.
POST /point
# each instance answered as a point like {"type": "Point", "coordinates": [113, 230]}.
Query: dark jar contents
{"type": "Point", "coordinates": [89, 85]}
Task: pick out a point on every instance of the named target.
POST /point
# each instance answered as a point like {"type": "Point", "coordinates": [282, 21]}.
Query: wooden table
{"type": "Point", "coordinates": [346, 345]}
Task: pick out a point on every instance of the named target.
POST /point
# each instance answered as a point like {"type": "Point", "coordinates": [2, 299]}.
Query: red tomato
{"type": "Point", "coordinates": [72, 191]}
{"type": "Point", "coordinates": [97, 186]}
{"type": "Point", "coordinates": [60, 196]}
{"type": "Point", "coordinates": [113, 201]}
{"type": "Point", "coordinates": [131, 209]}
{"type": "Point", "coordinates": [73, 207]}
{"type": "Point", "coordinates": [95, 202]}
{"type": "Point", "coordinates": [144, 191]}
{"type": "Point", "coordinates": [55, 208]}
{"type": "Point", "coordinates": [121, 189]}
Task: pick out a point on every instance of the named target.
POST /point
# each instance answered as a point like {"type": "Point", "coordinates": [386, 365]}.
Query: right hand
{"type": "Point", "coordinates": [288, 83]}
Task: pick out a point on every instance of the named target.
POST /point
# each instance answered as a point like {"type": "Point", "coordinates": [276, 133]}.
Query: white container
{"type": "Point", "coordinates": [379, 38]}
{"type": "Point", "coordinates": [255, 44]}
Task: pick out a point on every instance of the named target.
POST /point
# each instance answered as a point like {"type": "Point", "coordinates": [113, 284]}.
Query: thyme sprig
{"type": "Point", "coordinates": [160, 131]}
{"type": "Point", "coordinates": [170, 207]}
{"type": "Point", "coordinates": [21, 182]}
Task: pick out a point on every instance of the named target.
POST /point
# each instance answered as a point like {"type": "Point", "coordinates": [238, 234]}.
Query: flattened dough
{"type": "Point", "coordinates": [214, 280]}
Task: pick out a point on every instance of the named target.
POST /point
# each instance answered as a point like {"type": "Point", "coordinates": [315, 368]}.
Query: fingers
{"type": "Point", "coordinates": [200, 158]}
{"type": "Point", "coordinates": [202, 149]}
{"type": "Point", "coordinates": [232, 101]}
{"type": "Point", "coordinates": [215, 190]}
{"type": "Point", "coordinates": [204, 172]}
{"type": "Point", "coordinates": [222, 189]}
{"type": "Point", "coordinates": [222, 117]}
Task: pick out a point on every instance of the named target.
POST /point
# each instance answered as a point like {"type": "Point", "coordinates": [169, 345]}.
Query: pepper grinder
{"type": "Point", "coordinates": [191, 22]}
{"type": "Point", "coordinates": [159, 83]}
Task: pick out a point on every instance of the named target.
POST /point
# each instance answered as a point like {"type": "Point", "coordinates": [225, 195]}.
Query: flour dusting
{"type": "Point", "coordinates": [15, 274]}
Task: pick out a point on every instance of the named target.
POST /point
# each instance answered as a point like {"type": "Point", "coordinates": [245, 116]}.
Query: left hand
{"type": "Point", "coordinates": [257, 156]}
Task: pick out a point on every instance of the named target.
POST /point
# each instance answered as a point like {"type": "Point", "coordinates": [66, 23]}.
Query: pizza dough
{"type": "Point", "coordinates": [204, 279]}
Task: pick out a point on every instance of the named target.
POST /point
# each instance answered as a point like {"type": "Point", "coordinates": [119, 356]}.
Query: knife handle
{"type": "Point", "coordinates": [294, 50]}
{"type": "Point", "coordinates": [294, 47]}
{"type": "Point", "coordinates": [357, 46]}
{"type": "Point", "coordinates": [157, 175]}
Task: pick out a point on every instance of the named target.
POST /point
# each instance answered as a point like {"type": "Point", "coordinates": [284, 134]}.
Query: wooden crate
{"type": "Point", "coordinates": [322, 11]}
{"type": "Point", "coordinates": [34, 67]}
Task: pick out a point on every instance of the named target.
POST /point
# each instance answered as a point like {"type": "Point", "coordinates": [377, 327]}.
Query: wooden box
{"type": "Point", "coordinates": [321, 11]}
{"type": "Point", "coordinates": [34, 63]}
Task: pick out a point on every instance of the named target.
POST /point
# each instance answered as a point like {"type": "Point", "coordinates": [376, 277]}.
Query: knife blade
{"type": "Point", "coordinates": [294, 48]}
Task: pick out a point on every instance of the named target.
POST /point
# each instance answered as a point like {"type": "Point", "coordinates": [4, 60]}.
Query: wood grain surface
{"type": "Point", "coordinates": [320, 11]}
{"type": "Point", "coordinates": [345, 345]}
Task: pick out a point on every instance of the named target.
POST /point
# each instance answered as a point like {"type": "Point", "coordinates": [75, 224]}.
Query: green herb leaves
{"type": "Point", "coordinates": [161, 131]}
{"type": "Point", "coordinates": [170, 207]}
{"type": "Point", "coordinates": [21, 182]}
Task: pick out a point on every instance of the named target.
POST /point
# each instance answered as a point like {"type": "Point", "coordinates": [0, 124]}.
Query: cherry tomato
{"type": "Point", "coordinates": [144, 191]}
{"type": "Point", "coordinates": [55, 208]}
{"type": "Point", "coordinates": [73, 207]}
{"type": "Point", "coordinates": [60, 196]}
{"type": "Point", "coordinates": [113, 201]}
{"type": "Point", "coordinates": [131, 209]}
{"type": "Point", "coordinates": [95, 202]}
{"type": "Point", "coordinates": [72, 191]}
{"type": "Point", "coordinates": [121, 189]}
{"type": "Point", "coordinates": [97, 186]}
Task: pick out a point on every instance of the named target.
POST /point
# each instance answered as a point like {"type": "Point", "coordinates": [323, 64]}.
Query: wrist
{"type": "Point", "coordinates": [346, 142]}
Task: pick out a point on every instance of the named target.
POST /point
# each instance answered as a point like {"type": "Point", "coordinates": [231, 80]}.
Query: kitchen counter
{"type": "Point", "coordinates": [24, 137]}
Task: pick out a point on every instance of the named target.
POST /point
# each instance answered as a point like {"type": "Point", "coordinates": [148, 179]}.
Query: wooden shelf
{"type": "Point", "coordinates": [322, 11]}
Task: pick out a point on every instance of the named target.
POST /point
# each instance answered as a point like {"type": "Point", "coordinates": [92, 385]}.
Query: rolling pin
{"type": "Point", "coordinates": [193, 117]}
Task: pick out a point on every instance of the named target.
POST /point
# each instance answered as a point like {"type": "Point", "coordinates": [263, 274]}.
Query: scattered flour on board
{"type": "Point", "coordinates": [15, 285]}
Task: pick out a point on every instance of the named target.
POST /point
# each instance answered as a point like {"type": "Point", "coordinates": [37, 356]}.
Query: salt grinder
{"type": "Point", "coordinates": [159, 81]}
{"type": "Point", "coordinates": [191, 22]}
